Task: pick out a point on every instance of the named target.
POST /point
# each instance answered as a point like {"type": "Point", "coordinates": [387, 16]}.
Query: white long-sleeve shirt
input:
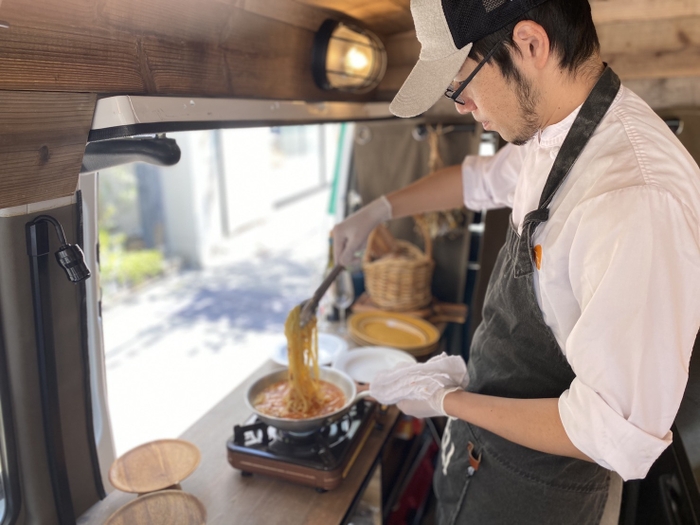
{"type": "Point", "coordinates": [619, 279]}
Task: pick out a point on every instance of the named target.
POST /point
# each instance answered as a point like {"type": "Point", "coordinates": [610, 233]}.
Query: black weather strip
{"type": "Point", "coordinates": [38, 250]}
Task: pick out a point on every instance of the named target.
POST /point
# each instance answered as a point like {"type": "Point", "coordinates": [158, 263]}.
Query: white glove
{"type": "Point", "coordinates": [350, 236]}
{"type": "Point", "coordinates": [421, 388]}
{"type": "Point", "coordinates": [416, 408]}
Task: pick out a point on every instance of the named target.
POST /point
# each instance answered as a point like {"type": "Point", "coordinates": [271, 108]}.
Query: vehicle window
{"type": "Point", "coordinates": [2, 499]}
{"type": "Point", "coordinates": [200, 264]}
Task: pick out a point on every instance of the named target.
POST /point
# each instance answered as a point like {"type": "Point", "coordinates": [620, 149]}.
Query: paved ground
{"type": "Point", "coordinates": [178, 346]}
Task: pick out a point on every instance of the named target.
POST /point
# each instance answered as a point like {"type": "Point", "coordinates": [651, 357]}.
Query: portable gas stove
{"type": "Point", "coordinates": [320, 459]}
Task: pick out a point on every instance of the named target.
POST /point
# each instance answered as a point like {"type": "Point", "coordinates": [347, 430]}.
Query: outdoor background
{"type": "Point", "coordinates": [201, 263]}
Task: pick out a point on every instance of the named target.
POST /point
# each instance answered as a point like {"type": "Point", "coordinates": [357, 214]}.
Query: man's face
{"type": "Point", "coordinates": [507, 106]}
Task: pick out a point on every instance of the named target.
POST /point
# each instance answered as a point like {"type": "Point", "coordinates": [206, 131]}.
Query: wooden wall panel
{"type": "Point", "coordinates": [605, 11]}
{"type": "Point", "coordinates": [42, 141]}
{"type": "Point", "coordinates": [664, 93]}
{"type": "Point", "coordinates": [652, 49]}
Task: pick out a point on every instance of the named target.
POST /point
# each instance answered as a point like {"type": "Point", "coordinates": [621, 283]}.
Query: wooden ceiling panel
{"type": "Point", "coordinates": [231, 48]}
{"type": "Point", "coordinates": [384, 17]}
{"type": "Point", "coordinates": [238, 47]}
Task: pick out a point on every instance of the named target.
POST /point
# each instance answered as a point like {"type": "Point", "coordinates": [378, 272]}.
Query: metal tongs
{"type": "Point", "coordinates": [308, 308]}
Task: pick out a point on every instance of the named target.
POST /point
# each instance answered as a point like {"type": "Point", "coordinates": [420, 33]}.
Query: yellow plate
{"type": "Point", "coordinates": [393, 329]}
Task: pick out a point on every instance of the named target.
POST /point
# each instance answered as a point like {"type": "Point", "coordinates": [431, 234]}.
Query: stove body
{"type": "Point", "coordinates": [319, 459]}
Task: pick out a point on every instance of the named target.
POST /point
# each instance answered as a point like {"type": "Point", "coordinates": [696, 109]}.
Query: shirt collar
{"type": "Point", "coordinates": [554, 135]}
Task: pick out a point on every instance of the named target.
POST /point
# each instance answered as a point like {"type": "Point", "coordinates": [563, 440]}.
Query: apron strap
{"type": "Point", "coordinates": [589, 117]}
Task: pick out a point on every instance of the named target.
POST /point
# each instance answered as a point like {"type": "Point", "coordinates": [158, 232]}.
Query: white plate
{"type": "Point", "coordinates": [363, 363]}
{"type": "Point", "coordinates": [328, 346]}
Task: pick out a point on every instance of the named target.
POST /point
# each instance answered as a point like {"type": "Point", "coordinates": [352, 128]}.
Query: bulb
{"type": "Point", "coordinates": [356, 60]}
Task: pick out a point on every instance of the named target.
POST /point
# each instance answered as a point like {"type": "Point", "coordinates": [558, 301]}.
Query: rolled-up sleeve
{"type": "Point", "coordinates": [615, 443]}
{"type": "Point", "coordinates": [635, 272]}
{"type": "Point", "coordinates": [489, 182]}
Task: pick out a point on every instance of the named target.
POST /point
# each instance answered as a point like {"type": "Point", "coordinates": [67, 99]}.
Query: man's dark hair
{"type": "Point", "coordinates": [568, 23]}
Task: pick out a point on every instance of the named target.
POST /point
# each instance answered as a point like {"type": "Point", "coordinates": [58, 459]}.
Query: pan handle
{"type": "Point", "coordinates": [361, 395]}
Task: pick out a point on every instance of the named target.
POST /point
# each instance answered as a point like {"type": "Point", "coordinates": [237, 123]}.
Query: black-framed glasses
{"type": "Point", "coordinates": [454, 94]}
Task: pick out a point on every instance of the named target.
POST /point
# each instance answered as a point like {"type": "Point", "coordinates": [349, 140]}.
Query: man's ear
{"type": "Point", "coordinates": [532, 42]}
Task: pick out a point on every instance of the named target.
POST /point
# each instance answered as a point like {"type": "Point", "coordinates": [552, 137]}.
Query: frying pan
{"type": "Point", "coordinates": [335, 377]}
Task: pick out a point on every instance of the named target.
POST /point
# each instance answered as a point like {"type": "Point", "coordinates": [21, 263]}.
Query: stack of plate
{"type": "Point", "coordinates": [416, 336]}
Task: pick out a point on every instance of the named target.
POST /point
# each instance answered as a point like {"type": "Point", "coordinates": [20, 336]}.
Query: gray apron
{"type": "Point", "coordinates": [482, 478]}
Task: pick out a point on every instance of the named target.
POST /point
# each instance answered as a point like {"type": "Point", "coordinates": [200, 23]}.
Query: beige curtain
{"type": "Point", "coordinates": [388, 156]}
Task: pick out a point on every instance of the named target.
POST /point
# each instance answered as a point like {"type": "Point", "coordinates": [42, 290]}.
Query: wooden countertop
{"type": "Point", "coordinates": [231, 498]}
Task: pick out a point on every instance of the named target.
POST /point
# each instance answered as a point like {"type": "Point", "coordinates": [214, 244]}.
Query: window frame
{"type": "Point", "coordinates": [8, 448]}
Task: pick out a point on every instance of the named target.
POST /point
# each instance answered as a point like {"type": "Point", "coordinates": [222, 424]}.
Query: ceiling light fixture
{"type": "Point", "coordinates": [347, 58]}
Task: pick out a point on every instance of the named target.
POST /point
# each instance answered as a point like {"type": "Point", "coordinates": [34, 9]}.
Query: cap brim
{"type": "Point", "coordinates": [427, 83]}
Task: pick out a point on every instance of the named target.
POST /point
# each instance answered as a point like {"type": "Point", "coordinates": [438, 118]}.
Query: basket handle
{"type": "Point", "coordinates": [366, 257]}
{"type": "Point", "coordinates": [427, 241]}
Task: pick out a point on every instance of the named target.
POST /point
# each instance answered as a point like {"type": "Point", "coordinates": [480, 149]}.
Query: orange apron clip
{"type": "Point", "coordinates": [537, 255]}
{"type": "Point", "coordinates": [474, 460]}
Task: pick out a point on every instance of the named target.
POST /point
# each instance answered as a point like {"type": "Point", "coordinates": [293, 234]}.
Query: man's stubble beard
{"type": "Point", "coordinates": [528, 97]}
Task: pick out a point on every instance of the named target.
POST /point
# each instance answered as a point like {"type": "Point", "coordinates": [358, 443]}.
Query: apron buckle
{"type": "Point", "coordinates": [474, 460]}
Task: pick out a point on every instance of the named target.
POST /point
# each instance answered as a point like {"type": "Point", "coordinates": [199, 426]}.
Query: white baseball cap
{"type": "Point", "coordinates": [447, 30]}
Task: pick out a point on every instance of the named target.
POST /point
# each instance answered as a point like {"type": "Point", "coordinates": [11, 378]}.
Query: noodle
{"type": "Point", "coordinates": [302, 353]}
{"type": "Point", "coordinates": [303, 395]}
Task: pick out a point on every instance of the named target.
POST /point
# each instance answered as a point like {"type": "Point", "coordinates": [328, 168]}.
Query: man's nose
{"type": "Point", "coordinates": [467, 107]}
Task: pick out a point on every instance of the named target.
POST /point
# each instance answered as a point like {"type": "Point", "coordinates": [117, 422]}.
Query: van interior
{"type": "Point", "coordinates": [170, 172]}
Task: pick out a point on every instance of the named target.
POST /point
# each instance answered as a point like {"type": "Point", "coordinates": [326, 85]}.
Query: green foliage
{"type": "Point", "coordinates": [126, 268]}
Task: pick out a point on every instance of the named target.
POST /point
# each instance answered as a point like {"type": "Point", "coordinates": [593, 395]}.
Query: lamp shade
{"type": "Point", "coordinates": [347, 58]}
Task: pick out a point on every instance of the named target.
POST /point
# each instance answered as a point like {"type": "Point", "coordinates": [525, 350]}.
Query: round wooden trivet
{"type": "Point", "coordinates": [168, 507]}
{"type": "Point", "coordinates": [154, 466]}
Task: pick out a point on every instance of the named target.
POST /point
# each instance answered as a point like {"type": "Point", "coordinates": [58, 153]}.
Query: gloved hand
{"type": "Point", "coordinates": [416, 408]}
{"type": "Point", "coordinates": [419, 389]}
{"type": "Point", "coordinates": [351, 235]}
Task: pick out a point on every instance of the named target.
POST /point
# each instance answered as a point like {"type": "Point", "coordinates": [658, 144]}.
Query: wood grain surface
{"type": "Point", "coordinates": [262, 48]}
{"type": "Point", "coordinates": [258, 500]}
{"type": "Point", "coordinates": [168, 507]}
{"type": "Point", "coordinates": [42, 142]}
{"type": "Point", "coordinates": [154, 466]}
{"type": "Point", "coordinates": [240, 48]}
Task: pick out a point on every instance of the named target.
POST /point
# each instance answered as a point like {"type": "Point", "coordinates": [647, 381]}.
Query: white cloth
{"type": "Point", "coordinates": [423, 385]}
{"type": "Point", "coordinates": [619, 279]}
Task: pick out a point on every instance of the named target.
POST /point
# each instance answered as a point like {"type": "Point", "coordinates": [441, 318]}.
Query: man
{"type": "Point", "coordinates": [578, 368]}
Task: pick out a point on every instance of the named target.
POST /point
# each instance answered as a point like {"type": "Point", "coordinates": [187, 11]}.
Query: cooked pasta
{"type": "Point", "coordinates": [302, 353]}
{"type": "Point", "coordinates": [303, 395]}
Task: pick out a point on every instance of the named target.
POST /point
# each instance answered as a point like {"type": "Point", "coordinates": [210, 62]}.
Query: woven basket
{"type": "Point", "coordinates": [399, 279]}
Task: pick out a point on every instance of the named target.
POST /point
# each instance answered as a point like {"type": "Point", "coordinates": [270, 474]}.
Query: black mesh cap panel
{"type": "Point", "coordinates": [472, 20]}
